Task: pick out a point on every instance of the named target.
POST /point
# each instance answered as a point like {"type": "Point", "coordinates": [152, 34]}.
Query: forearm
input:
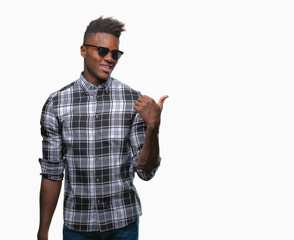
{"type": "Point", "coordinates": [49, 195]}
{"type": "Point", "coordinates": [150, 112]}
{"type": "Point", "coordinates": [148, 158]}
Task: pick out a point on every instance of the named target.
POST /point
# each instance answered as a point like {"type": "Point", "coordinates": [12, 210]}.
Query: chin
{"type": "Point", "coordinates": [103, 78]}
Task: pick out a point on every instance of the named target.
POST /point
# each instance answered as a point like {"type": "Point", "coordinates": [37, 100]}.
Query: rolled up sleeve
{"type": "Point", "coordinates": [137, 137]}
{"type": "Point", "coordinates": [52, 162]}
{"type": "Point", "coordinates": [146, 176]}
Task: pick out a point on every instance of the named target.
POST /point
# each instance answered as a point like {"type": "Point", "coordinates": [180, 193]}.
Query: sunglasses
{"type": "Point", "coordinates": [103, 51]}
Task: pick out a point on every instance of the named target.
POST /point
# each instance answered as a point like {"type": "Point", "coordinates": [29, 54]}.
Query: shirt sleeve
{"type": "Point", "coordinates": [137, 136]}
{"type": "Point", "coordinates": [52, 163]}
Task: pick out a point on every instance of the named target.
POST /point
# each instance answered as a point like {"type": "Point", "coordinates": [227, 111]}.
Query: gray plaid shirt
{"type": "Point", "coordinates": [95, 136]}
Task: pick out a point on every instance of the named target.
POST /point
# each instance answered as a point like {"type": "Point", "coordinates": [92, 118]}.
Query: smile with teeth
{"type": "Point", "coordinates": [106, 68]}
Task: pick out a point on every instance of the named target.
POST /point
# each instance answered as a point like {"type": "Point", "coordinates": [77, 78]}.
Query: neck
{"type": "Point", "coordinates": [92, 79]}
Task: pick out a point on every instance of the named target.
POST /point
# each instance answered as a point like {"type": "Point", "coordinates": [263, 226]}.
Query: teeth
{"type": "Point", "coordinates": [106, 66]}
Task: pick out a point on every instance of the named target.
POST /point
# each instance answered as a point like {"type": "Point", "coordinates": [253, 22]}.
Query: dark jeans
{"type": "Point", "coordinates": [130, 232]}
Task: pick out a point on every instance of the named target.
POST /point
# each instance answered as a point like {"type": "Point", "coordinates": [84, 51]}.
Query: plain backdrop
{"type": "Point", "coordinates": [227, 130]}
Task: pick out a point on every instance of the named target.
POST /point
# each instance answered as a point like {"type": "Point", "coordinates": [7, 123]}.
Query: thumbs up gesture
{"type": "Point", "coordinates": [149, 110]}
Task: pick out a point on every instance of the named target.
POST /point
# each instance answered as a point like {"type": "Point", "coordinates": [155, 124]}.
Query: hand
{"type": "Point", "coordinates": [42, 236]}
{"type": "Point", "coordinates": [149, 110]}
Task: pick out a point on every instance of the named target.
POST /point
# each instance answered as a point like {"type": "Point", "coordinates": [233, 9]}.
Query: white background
{"type": "Point", "coordinates": [227, 129]}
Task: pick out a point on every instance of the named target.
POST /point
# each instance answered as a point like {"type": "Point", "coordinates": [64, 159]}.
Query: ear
{"type": "Point", "coordinates": [83, 51]}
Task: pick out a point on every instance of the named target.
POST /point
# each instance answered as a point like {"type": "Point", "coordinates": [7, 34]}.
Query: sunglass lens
{"type": "Point", "coordinates": [115, 54]}
{"type": "Point", "coordinates": [103, 51]}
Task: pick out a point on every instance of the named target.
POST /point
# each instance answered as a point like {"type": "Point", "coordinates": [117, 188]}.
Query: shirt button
{"type": "Point", "coordinates": [97, 116]}
{"type": "Point", "coordinates": [97, 180]}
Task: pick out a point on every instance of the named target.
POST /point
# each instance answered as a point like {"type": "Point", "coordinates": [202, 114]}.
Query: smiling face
{"type": "Point", "coordinates": [97, 69]}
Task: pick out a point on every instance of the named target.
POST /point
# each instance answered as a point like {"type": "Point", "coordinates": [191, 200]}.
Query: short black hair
{"type": "Point", "coordinates": [104, 25]}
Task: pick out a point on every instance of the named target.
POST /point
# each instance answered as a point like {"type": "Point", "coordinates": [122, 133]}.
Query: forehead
{"type": "Point", "coordinates": [104, 40]}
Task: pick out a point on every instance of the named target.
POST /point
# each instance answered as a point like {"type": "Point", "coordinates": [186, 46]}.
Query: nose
{"type": "Point", "coordinates": [108, 57]}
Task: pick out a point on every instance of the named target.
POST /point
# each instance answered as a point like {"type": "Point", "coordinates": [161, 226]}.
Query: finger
{"type": "Point", "coordinates": [146, 97]}
{"type": "Point", "coordinates": [140, 99]}
{"type": "Point", "coordinates": [161, 101]}
{"type": "Point", "coordinates": [136, 107]}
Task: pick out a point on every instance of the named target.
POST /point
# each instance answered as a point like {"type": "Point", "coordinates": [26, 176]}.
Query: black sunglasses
{"type": "Point", "coordinates": [103, 51]}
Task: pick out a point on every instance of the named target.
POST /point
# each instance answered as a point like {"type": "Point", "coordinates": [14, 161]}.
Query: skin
{"type": "Point", "coordinates": [94, 65]}
{"type": "Point", "coordinates": [97, 70]}
{"type": "Point", "coordinates": [150, 112]}
{"type": "Point", "coordinates": [49, 194]}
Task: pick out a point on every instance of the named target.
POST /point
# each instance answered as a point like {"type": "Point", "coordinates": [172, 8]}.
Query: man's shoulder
{"type": "Point", "coordinates": [120, 86]}
{"type": "Point", "coordinates": [62, 95]}
{"type": "Point", "coordinates": [73, 86]}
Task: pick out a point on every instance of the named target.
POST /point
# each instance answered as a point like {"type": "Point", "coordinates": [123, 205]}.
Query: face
{"type": "Point", "coordinates": [97, 69]}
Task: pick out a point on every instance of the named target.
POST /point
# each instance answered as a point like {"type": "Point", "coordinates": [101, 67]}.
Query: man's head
{"type": "Point", "coordinates": [101, 36]}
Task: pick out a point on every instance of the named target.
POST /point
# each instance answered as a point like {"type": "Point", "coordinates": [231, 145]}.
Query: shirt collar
{"type": "Point", "coordinates": [91, 88]}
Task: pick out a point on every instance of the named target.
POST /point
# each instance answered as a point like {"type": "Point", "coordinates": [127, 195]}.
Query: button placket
{"type": "Point", "coordinates": [92, 112]}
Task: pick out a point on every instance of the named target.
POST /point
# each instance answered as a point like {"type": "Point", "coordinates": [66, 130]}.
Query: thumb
{"type": "Point", "coordinates": [161, 101]}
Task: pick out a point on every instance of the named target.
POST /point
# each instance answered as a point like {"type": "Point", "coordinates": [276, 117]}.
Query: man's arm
{"type": "Point", "coordinates": [49, 195]}
{"type": "Point", "coordinates": [150, 112]}
{"type": "Point", "coordinates": [148, 159]}
{"type": "Point", "coordinates": [52, 167]}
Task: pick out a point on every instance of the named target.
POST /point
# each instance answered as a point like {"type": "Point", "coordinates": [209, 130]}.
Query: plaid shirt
{"type": "Point", "coordinates": [95, 136]}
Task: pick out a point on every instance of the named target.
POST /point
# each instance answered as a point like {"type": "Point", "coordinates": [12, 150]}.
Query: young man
{"type": "Point", "coordinates": [100, 132]}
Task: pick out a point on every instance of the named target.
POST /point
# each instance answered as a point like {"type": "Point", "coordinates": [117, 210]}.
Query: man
{"type": "Point", "coordinates": [99, 132]}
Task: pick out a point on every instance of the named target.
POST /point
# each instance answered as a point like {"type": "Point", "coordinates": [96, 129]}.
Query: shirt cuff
{"type": "Point", "coordinates": [146, 175]}
{"type": "Point", "coordinates": [52, 170]}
